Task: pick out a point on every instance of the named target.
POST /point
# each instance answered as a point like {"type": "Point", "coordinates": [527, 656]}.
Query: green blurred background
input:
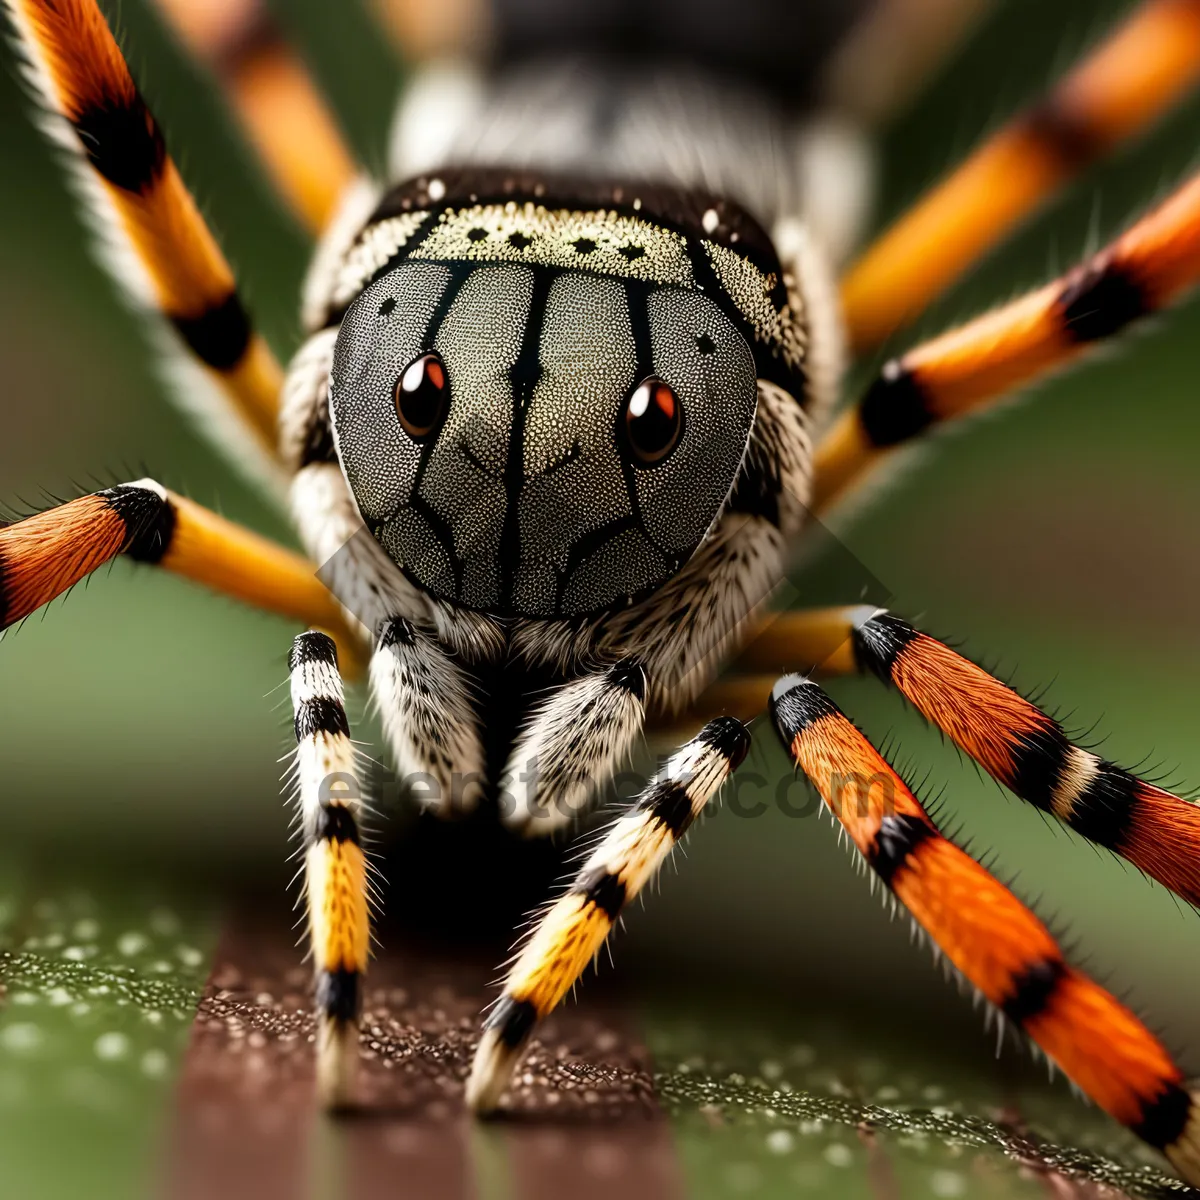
{"type": "Point", "coordinates": [141, 720]}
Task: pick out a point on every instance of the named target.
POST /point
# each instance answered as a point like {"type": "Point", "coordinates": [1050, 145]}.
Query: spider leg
{"type": "Point", "coordinates": [1029, 753]}
{"type": "Point", "coordinates": [1021, 747]}
{"type": "Point", "coordinates": [814, 639]}
{"type": "Point", "coordinates": [45, 554]}
{"type": "Point", "coordinates": [573, 928]}
{"type": "Point", "coordinates": [1145, 269]}
{"type": "Point", "coordinates": [151, 234]}
{"type": "Point", "coordinates": [991, 938]}
{"type": "Point", "coordinates": [335, 869]}
{"type": "Point", "coordinates": [1119, 89]}
{"type": "Point", "coordinates": [578, 736]}
{"type": "Point", "coordinates": [893, 48]}
{"type": "Point", "coordinates": [279, 105]}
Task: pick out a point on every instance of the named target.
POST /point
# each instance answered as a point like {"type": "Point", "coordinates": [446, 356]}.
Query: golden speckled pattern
{"type": "Point", "coordinates": [750, 289]}
{"type": "Point", "coordinates": [608, 242]}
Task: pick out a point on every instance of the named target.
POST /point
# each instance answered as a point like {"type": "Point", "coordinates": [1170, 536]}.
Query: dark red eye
{"type": "Point", "coordinates": [653, 421]}
{"type": "Point", "coordinates": [422, 396]}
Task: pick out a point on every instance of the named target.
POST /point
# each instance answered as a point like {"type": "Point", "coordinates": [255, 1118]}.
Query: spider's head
{"type": "Point", "coordinates": [538, 442]}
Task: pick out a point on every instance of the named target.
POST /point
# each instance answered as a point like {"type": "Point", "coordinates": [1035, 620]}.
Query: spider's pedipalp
{"type": "Point", "coordinates": [425, 705]}
{"type": "Point", "coordinates": [574, 927]}
{"type": "Point", "coordinates": [573, 743]}
{"type": "Point", "coordinates": [280, 107]}
{"type": "Point", "coordinates": [335, 867]}
{"type": "Point", "coordinates": [994, 941]}
{"type": "Point", "coordinates": [956, 374]}
{"type": "Point", "coordinates": [151, 234]}
{"type": "Point", "coordinates": [1121, 88]}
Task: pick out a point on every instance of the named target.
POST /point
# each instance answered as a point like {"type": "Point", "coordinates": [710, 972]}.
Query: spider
{"type": "Point", "coordinates": [564, 411]}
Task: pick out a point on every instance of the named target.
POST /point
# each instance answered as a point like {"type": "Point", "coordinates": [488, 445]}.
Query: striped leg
{"type": "Point", "coordinates": [44, 555]}
{"type": "Point", "coordinates": [278, 103]}
{"type": "Point", "coordinates": [152, 236]}
{"type": "Point", "coordinates": [335, 869]}
{"type": "Point", "coordinates": [1118, 90]}
{"type": "Point", "coordinates": [993, 940]}
{"type": "Point", "coordinates": [574, 927]}
{"type": "Point", "coordinates": [1144, 270]}
{"type": "Point", "coordinates": [1027, 751]}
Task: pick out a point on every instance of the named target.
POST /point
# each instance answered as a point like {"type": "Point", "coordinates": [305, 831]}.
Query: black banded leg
{"type": "Point", "coordinates": [45, 554]}
{"type": "Point", "coordinates": [1029, 752]}
{"type": "Point", "coordinates": [579, 735]}
{"type": "Point", "coordinates": [155, 242]}
{"type": "Point", "coordinates": [335, 868]}
{"type": "Point", "coordinates": [959, 373]}
{"type": "Point", "coordinates": [574, 928]}
{"type": "Point", "coordinates": [994, 940]}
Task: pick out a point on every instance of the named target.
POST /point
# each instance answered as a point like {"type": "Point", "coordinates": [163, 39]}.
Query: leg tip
{"type": "Point", "coordinates": [337, 1065]}
{"type": "Point", "coordinates": [491, 1072]}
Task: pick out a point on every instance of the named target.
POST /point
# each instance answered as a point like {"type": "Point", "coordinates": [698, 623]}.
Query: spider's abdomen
{"type": "Point", "coordinates": [542, 395]}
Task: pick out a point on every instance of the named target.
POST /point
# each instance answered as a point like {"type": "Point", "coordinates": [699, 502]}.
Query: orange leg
{"type": "Point", "coordinates": [955, 374]}
{"type": "Point", "coordinates": [993, 940]}
{"type": "Point", "coordinates": [278, 103]}
{"type": "Point", "coordinates": [1124, 85]}
{"type": "Point", "coordinates": [153, 237]}
{"type": "Point", "coordinates": [44, 555]}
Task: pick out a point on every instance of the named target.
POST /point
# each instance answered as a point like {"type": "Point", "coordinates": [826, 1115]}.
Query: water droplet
{"type": "Point", "coordinates": [132, 943]}
{"type": "Point", "coordinates": [21, 1038]}
{"type": "Point", "coordinates": [838, 1155]}
{"type": "Point", "coordinates": [155, 1064]}
{"type": "Point", "coordinates": [780, 1141]}
{"type": "Point", "coordinates": [110, 1046]}
{"type": "Point", "coordinates": [947, 1183]}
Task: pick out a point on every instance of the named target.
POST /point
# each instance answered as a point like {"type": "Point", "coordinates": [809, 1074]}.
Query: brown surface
{"type": "Point", "coordinates": [584, 1119]}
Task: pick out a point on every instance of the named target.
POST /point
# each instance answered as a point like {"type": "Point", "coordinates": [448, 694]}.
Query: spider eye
{"type": "Point", "coordinates": [422, 396]}
{"type": "Point", "coordinates": [653, 421]}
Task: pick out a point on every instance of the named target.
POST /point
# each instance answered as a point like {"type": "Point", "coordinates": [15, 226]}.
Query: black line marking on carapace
{"type": "Point", "coordinates": [524, 374]}
{"type": "Point", "coordinates": [512, 1019]}
{"type": "Point", "coordinates": [1099, 300]}
{"type": "Point", "coordinates": [1165, 1117]}
{"type": "Point", "coordinates": [459, 273]}
{"type": "Point", "coordinates": [219, 336]}
{"type": "Point", "coordinates": [338, 993]}
{"type": "Point", "coordinates": [584, 546]}
{"type": "Point", "coordinates": [895, 407]}
{"type": "Point", "coordinates": [769, 363]}
{"type": "Point", "coordinates": [1032, 990]}
{"type": "Point", "coordinates": [895, 842]}
{"type": "Point", "coordinates": [123, 143]}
